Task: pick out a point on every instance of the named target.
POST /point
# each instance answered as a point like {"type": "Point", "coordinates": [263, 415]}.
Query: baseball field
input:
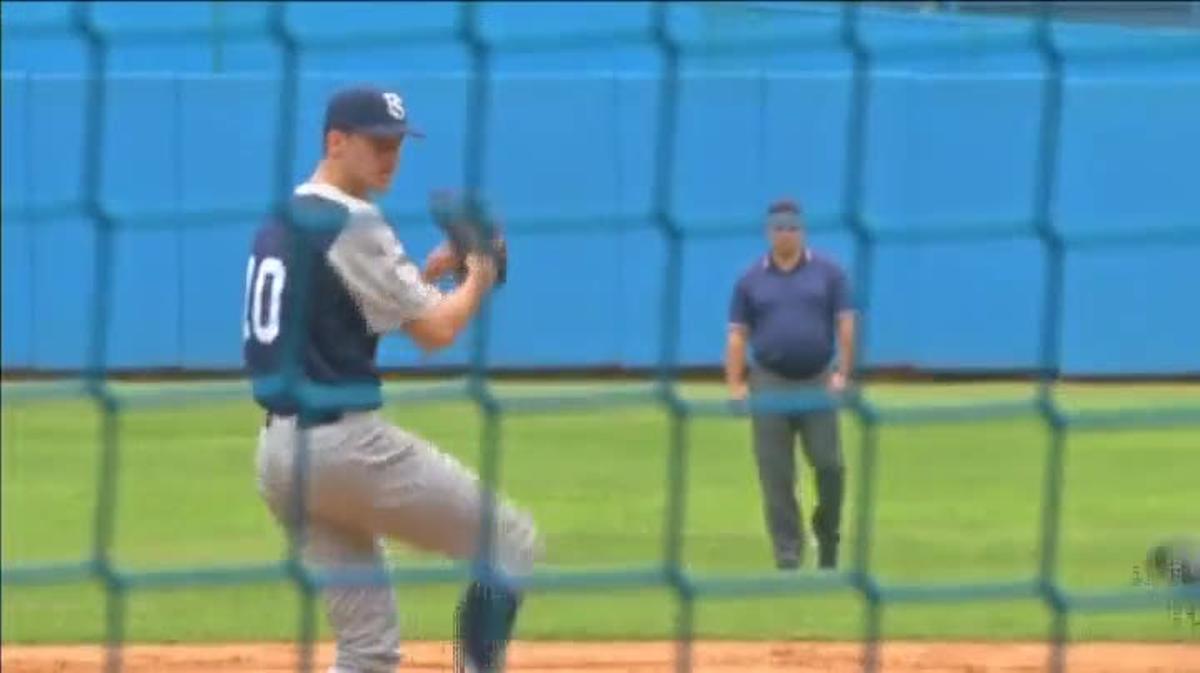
{"type": "Point", "coordinates": [956, 502]}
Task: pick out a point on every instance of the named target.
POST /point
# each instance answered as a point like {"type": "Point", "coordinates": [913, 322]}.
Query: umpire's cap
{"type": "Point", "coordinates": [785, 213]}
{"type": "Point", "coordinates": [370, 111]}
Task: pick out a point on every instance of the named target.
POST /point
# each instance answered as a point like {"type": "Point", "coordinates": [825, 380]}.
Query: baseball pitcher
{"type": "Point", "coordinates": [319, 295]}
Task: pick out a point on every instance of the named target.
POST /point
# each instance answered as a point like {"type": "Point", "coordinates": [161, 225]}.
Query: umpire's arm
{"type": "Point", "coordinates": [847, 323]}
{"type": "Point", "coordinates": [735, 342]}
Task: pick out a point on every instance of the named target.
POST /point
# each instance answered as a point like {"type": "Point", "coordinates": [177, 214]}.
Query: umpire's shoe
{"type": "Point", "coordinates": [827, 556]}
{"type": "Point", "coordinates": [827, 548]}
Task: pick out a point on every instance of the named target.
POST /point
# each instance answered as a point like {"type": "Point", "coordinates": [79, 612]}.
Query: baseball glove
{"type": "Point", "coordinates": [470, 229]}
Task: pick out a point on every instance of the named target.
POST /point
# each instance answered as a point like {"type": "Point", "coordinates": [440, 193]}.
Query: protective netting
{"type": "Point", "coordinates": [669, 570]}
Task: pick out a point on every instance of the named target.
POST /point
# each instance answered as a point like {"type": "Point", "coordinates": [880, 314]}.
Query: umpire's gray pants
{"type": "Point", "coordinates": [774, 452]}
{"type": "Point", "coordinates": [368, 480]}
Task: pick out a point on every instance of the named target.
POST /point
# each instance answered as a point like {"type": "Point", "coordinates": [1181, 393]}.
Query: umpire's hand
{"type": "Point", "coordinates": [838, 382]}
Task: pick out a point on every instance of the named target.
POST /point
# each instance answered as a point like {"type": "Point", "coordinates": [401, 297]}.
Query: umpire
{"type": "Point", "coordinates": [792, 305]}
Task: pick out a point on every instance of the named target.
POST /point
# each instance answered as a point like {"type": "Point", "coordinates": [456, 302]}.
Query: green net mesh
{"type": "Point", "coordinates": [664, 390]}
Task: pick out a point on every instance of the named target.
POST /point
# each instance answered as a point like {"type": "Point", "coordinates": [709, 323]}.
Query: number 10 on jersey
{"type": "Point", "coordinates": [264, 285]}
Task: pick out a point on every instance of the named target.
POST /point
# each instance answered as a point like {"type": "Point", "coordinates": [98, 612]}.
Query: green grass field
{"type": "Point", "coordinates": [956, 502]}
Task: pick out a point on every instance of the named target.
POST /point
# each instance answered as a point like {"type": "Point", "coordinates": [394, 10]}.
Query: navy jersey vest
{"type": "Point", "coordinates": [298, 311]}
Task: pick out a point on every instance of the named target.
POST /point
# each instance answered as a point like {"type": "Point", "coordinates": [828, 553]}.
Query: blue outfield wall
{"type": "Point", "coordinates": [952, 144]}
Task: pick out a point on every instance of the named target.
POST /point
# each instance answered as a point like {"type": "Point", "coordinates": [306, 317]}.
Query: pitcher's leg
{"type": "Point", "coordinates": [362, 614]}
{"type": "Point", "coordinates": [361, 606]}
{"type": "Point", "coordinates": [430, 500]}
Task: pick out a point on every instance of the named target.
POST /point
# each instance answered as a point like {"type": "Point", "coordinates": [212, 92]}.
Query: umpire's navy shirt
{"type": "Point", "coordinates": [791, 316]}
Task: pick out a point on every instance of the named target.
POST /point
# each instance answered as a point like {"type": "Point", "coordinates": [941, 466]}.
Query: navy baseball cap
{"type": "Point", "coordinates": [369, 111]}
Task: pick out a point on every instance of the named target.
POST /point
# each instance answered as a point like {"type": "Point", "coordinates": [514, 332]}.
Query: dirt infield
{"type": "Point", "coordinates": [629, 657]}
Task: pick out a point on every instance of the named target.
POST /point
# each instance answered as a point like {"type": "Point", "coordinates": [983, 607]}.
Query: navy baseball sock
{"type": "Point", "coordinates": [827, 518]}
{"type": "Point", "coordinates": [484, 624]}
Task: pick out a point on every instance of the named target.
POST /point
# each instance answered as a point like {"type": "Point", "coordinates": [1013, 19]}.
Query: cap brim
{"type": "Point", "coordinates": [392, 131]}
{"type": "Point", "coordinates": [790, 220]}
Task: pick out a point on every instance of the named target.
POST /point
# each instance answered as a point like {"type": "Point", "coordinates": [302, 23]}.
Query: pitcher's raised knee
{"type": "Point", "coordinates": [518, 544]}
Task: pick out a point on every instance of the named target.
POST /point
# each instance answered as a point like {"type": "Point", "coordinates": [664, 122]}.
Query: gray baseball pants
{"type": "Point", "coordinates": [368, 480]}
{"type": "Point", "coordinates": [774, 452]}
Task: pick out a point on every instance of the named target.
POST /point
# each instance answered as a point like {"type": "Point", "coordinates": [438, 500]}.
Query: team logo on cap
{"type": "Point", "coordinates": [395, 105]}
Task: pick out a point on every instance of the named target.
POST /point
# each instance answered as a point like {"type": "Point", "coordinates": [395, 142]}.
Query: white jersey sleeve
{"type": "Point", "coordinates": [377, 273]}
